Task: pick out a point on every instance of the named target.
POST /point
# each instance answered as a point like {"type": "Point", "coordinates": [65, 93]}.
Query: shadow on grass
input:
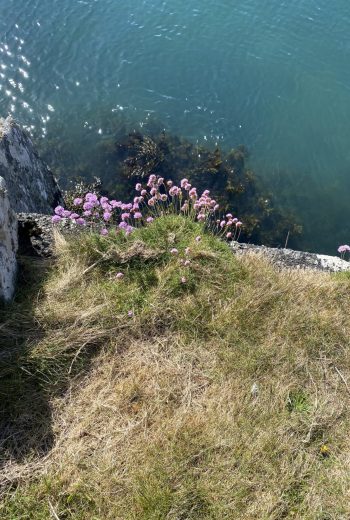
{"type": "Point", "coordinates": [25, 414]}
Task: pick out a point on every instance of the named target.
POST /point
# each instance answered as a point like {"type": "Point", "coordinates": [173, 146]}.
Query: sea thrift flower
{"type": "Point", "coordinates": [229, 215]}
{"type": "Point", "coordinates": [66, 213]}
{"type": "Point", "coordinates": [55, 219]}
{"type": "Point", "coordinates": [144, 193]}
{"type": "Point", "coordinates": [201, 217]}
{"type": "Point", "coordinates": [137, 215]}
{"type": "Point", "coordinates": [151, 202]}
{"type": "Point", "coordinates": [343, 249]}
{"type": "Point", "coordinates": [73, 216]}
{"type": "Point", "coordinates": [174, 251]}
{"type": "Point", "coordinates": [115, 203]}
{"type": "Point", "coordinates": [77, 201]}
{"type": "Point", "coordinates": [123, 225]}
{"type": "Point", "coordinates": [187, 263]}
{"type": "Point", "coordinates": [169, 184]}
{"type": "Point", "coordinates": [153, 191]}
{"type": "Point", "coordinates": [130, 314]}
{"type": "Point", "coordinates": [183, 183]}
{"type": "Point", "coordinates": [103, 200]}
{"type": "Point", "coordinates": [88, 206]}
{"type": "Point", "coordinates": [222, 223]}
{"type": "Point", "coordinates": [104, 232]}
{"type": "Point", "coordinates": [107, 216]}
{"type": "Point", "coordinates": [80, 221]}
{"type": "Point", "coordinates": [239, 224]}
{"type": "Point", "coordinates": [125, 216]}
{"type": "Point", "coordinates": [198, 239]}
{"type": "Point", "coordinates": [164, 197]}
{"type": "Point", "coordinates": [59, 210]}
{"type": "Point", "coordinates": [160, 181]}
{"type": "Point", "coordinates": [138, 187]}
{"type": "Point", "coordinates": [119, 276]}
{"type": "Point", "coordinates": [229, 235]}
{"type": "Point", "coordinates": [183, 279]}
{"type": "Point", "coordinates": [216, 207]}
{"type": "Point", "coordinates": [149, 220]}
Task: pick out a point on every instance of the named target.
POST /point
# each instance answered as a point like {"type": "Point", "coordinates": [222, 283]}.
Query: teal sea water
{"type": "Point", "coordinates": [273, 75]}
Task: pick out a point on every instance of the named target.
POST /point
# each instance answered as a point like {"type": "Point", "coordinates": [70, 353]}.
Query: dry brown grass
{"type": "Point", "coordinates": [226, 402]}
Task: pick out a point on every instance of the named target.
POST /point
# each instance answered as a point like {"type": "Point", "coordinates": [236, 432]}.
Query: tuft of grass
{"type": "Point", "coordinates": [152, 415]}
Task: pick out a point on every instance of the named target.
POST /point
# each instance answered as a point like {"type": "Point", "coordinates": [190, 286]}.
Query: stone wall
{"type": "Point", "coordinates": [8, 244]}
{"type": "Point", "coordinates": [30, 183]}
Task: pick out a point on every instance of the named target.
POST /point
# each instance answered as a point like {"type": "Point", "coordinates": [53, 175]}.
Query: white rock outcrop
{"type": "Point", "coordinates": [31, 185]}
{"type": "Point", "coordinates": [8, 244]}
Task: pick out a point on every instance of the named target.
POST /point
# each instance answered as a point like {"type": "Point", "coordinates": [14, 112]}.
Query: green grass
{"type": "Point", "coordinates": [107, 416]}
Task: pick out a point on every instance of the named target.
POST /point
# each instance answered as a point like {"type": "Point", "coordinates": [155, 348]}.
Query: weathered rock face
{"type": "Point", "coordinates": [30, 183]}
{"type": "Point", "coordinates": [290, 259]}
{"type": "Point", "coordinates": [8, 244]}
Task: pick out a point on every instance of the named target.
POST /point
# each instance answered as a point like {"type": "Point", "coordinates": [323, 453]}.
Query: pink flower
{"type": "Point", "coordinates": [187, 263]}
{"type": "Point", "coordinates": [239, 224]}
{"type": "Point", "coordinates": [130, 314]}
{"type": "Point", "coordinates": [103, 200]}
{"type": "Point", "coordinates": [59, 210]}
{"type": "Point", "coordinates": [106, 216]}
{"type": "Point", "coordinates": [164, 197]}
{"type": "Point", "coordinates": [138, 187]}
{"type": "Point", "coordinates": [115, 203]}
{"type": "Point", "coordinates": [229, 235]}
{"type": "Point", "coordinates": [222, 223]}
{"type": "Point", "coordinates": [169, 184]}
{"type": "Point", "coordinates": [137, 215]}
{"type": "Point", "coordinates": [87, 213]}
{"type": "Point", "coordinates": [125, 216]}
{"type": "Point", "coordinates": [80, 221]}
{"type": "Point", "coordinates": [183, 279]}
{"type": "Point", "coordinates": [123, 225]}
{"type": "Point", "coordinates": [149, 220]}
{"type": "Point", "coordinates": [144, 193]}
{"type": "Point", "coordinates": [104, 232]}
{"type": "Point", "coordinates": [153, 191]}
{"type": "Point", "coordinates": [201, 217]}
{"type": "Point", "coordinates": [66, 213]}
{"type": "Point", "coordinates": [77, 201]}
{"type": "Point", "coordinates": [73, 216]}
{"type": "Point", "coordinates": [160, 181]}
{"type": "Point", "coordinates": [216, 207]}
{"type": "Point", "coordinates": [119, 276]}
{"type": "Point", "coordinates": [343, 249]}
{"type": "Point", "coordinates": [56, 219]}
{"type": "Point", "coordinates": [229, 215]}
{"type": "Point", "coordinates": [151, 202]}
{"type": "Point", "coordinates": [88, 206]}
{"type": "Point", "coordinates": [198, 239]}
{"type": "Point", "coordinates": [183, 183]}
{"type": "Point", "coordinates": [174, 251]}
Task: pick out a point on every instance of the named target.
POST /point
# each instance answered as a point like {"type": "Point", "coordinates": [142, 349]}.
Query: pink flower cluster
{"type": "Point", "coordinates": [343, 250]}
{"type": "Point", "coordinates": [156, 198]}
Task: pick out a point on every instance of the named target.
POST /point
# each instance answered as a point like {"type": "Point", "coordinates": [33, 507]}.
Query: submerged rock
{"type": "Point", "coordinates": [30, 183]}
{"type": "Point", "coordinates": [8, 244]}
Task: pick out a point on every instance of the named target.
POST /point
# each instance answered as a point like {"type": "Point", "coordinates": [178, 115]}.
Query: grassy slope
{"type": "Point", "coordinates": [153, 416]}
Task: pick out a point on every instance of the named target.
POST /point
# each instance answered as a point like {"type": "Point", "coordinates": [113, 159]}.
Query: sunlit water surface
{"type": "Point", "coordinates": [272, 75]}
